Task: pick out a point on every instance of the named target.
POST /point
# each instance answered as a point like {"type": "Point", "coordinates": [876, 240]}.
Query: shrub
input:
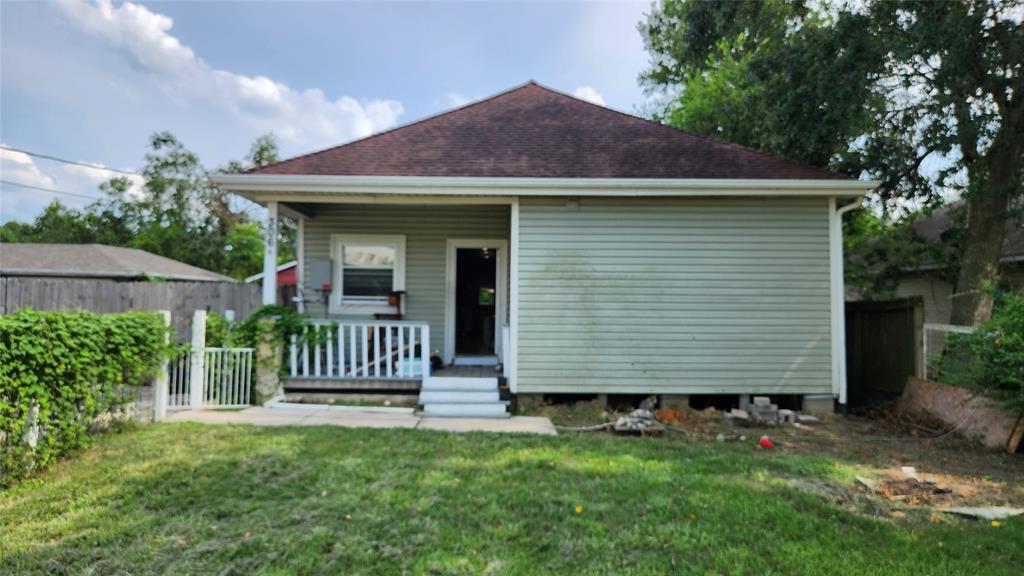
{"type": "Point", "coordinates": [59, 371]}
{"type": "Point", "coordinates": [990, 360]}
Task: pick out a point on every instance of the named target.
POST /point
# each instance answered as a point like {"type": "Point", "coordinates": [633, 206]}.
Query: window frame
{"type": "Point", "coordinates": [337, 304]}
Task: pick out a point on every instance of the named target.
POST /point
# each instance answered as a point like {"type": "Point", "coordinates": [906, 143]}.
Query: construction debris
{"type": "Point", "coordinates": [638, 422]}
{"type": "Point", "coordinates": [762, 412]}
{"type": "Point", "coordinates": [986, 513]}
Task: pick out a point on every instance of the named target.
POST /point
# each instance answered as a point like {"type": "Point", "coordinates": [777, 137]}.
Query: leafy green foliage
{"type": "Point", "coordinates": [990, 360]}
{"type": "Point", "coordinates": [272, 327]}
{"type": "Point", "coordinates": [58, 371]}
{"type": "Point", "coordinates": [926, 97]}
{"type": "Point", "coordinates": [180, 213]}
{"type": "Point", "coordinates": [879, 255]}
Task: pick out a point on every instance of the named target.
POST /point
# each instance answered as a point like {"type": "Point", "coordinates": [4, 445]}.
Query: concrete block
{"type": "Point", "coordinates": [762, 401]}
{"type": "Point", "coordinates": [675, 401]}
{"type": "Point", "coordinates": [786, 416]}
{"type": "Point", "coordinates": [818, 405]}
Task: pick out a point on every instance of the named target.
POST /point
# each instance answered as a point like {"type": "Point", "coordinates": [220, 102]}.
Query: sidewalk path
{"type": "Point", "coordinates": [354, 417]}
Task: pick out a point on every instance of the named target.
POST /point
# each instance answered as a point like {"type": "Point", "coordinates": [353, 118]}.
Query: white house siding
{"type": "Point", "coordinates": [426, 229]}
{"type": "Point", "coordinates": [674, 296]}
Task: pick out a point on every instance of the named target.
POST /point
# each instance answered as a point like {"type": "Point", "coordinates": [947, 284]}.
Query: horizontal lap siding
{"type": "Point", "coordinates": [427, 230]}
{"type": "Point", "coordinates": [674, 296]}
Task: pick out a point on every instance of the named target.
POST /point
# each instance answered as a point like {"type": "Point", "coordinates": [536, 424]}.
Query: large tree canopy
{"type": "Point", "coordinates": [179, 213]}
{"type": "Point", "coordinates": [927, 97]}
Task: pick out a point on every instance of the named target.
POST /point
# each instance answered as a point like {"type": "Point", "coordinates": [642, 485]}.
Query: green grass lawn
{"type": "Point", "coordinates": [194, 499]}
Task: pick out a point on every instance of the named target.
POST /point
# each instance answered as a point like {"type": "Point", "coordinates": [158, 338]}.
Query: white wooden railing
{"type": "Point", "coordinates": [361, 350]}
{"type": "Point", "coordinates": [220, 377]}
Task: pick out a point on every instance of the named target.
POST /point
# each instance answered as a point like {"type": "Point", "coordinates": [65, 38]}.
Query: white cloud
{"type": "Point", "coordinates": [16, 202]}
{"type": "Point", "coordinates": [19, 167]}
{"type": "Point", "coordinates": [307, 118]}
{"type": "Point", "coordinates": [589, 94]}
{"type": "Point", "coordinates": [456, 99]}
{"type": "Point", "coordinates": [76, 185]}
{"type": "Point", "coordinates": [95, 174]}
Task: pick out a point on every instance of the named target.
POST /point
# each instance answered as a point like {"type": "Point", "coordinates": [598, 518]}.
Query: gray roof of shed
{"type": "Point", "coordinates": [96, 261]}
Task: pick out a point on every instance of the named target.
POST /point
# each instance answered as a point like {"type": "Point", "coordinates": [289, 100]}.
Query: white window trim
{"type": "Point", "coordinates": [337, 305]}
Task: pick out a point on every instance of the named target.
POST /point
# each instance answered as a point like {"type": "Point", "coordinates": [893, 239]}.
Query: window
{"type": "Point", "coordinates": [367, 269]}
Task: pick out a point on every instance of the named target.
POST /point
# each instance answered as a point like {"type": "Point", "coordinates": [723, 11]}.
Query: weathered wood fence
{"type": "Point", "coordinates": [883, 347]}
{"type": "Point", "coordinates": [108, 296]}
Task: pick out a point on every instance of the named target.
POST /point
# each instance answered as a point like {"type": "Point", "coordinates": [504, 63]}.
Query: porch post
{"type": "Point", "coordinates": [512, 354]}
{"type": "Point", "coordinates": [270, 256]}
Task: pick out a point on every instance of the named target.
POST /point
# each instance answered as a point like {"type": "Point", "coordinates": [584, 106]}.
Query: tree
{"type": "Point", "coordinates": [179, 213]}
{"type": "Point", "coordinates": [889, 89]}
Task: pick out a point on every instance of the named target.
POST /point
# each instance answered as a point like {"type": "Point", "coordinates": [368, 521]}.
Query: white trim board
{"type": "Point", "coordinates": [288, 187]}
{"type": "Point", "coordinates": [449, 288]}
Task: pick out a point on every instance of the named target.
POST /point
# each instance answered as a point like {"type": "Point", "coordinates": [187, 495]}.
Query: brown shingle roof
{"type": "Point", "coordinates": [535, 132]}
{"type": "Point", "coordinates": [96, 261]}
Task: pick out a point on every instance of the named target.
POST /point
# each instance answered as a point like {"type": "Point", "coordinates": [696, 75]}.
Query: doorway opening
{"type": "Point", "coordinates": [475, 312]}
{"type": "Point", "coordinates": [475, 301]}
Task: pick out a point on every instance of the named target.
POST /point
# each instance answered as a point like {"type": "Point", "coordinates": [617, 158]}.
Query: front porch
{"type": "Point", "coordinates": [402, 297]}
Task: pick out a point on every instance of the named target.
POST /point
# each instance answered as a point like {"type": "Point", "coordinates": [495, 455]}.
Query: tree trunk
{"type": "Point", "coordinates": [987, 208]}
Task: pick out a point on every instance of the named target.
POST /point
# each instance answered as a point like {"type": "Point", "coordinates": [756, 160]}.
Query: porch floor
{"type": "Point", "coordinates": [309, 415]}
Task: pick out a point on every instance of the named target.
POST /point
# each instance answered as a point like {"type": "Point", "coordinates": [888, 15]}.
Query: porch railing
{"type": "Point", "coordinates": [361, 350]}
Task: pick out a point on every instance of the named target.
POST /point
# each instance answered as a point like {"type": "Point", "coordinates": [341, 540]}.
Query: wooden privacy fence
{"type": "Point", "coordinates": [883, 347]}
{"type": "Point", "coordinates": [108, 296]}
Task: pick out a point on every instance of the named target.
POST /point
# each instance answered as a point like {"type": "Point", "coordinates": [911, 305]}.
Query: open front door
{"type": "Point", "coordinates": [475, 301]}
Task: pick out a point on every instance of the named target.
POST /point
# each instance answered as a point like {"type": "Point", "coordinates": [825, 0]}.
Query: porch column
{"type": "Point", "coordinates": [270, 256]}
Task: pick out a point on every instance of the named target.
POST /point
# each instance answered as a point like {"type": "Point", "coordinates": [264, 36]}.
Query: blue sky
{"type": "Point", "coordinates": [90, 81]}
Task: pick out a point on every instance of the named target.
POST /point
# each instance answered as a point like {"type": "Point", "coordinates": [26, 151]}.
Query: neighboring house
{"type": "Point", "coordinates": [285, 275]}
{"type": "Point", "coordinates": [931, 282]}
{"type": "Point", "coordinates": [579, 249]}
{"type": "Point", "coordinates": [100, 278]}
{"type": "Point", "coordinates": [287, 284]}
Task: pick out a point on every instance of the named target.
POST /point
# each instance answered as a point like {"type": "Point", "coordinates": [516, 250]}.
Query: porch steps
{"type": "Point", "coordinates": [462, 398]}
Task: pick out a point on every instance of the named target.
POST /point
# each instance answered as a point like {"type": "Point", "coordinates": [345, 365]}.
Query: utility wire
{"type": "Point", "coordinates": [56, 159]}
{"type": "Point", "coordinates": [50, 190]}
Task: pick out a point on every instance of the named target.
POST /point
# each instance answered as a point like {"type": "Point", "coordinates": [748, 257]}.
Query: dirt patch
{"type": "Point", "coordinates": [706, 421]}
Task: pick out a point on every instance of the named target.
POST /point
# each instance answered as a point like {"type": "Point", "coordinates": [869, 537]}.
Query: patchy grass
{"type": "Point", "coordinates": [188, 498]}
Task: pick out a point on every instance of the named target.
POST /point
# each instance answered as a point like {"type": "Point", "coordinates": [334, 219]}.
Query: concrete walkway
{"type": "Point", "coordinates": [355, 417]}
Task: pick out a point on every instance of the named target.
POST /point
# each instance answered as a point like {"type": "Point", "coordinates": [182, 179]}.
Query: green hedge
{"type": "Point", "coordinates": [59, 371]}
{"type": "Point", "coordinates": [990, 361]}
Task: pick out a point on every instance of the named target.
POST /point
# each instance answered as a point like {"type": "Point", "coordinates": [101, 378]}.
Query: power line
{"type": "Point", "coordinates": [50, 190]}
{"type": "Point", "coordinates": [56, 159]}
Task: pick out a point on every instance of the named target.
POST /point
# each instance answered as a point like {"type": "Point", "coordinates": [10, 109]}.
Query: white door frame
{"type": "Point", "coordinates": [499, 293]}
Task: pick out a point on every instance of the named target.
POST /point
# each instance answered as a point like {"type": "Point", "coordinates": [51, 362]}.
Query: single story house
{"type": "Point", "coordinates": [106, 279]}
{"type": "Point", "coordinates": [565, 248]}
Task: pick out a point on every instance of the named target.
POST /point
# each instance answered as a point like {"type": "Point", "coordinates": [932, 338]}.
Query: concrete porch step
{"type": "Point", "coordinates": [466, 409]}
{"type": "Point", "coordinates": [466, 384]}
{"type": "Point", "coordinates": [429, 396]}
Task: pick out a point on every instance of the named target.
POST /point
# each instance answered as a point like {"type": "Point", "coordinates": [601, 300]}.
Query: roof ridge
{"type": "Point", "coordinates": [434, 116]}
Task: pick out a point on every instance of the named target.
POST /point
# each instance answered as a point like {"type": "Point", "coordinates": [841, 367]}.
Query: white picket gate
{"type": "Point", "coordinates": [224, 378]}
{"type": "Point", "coordinates": [207, 376]}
